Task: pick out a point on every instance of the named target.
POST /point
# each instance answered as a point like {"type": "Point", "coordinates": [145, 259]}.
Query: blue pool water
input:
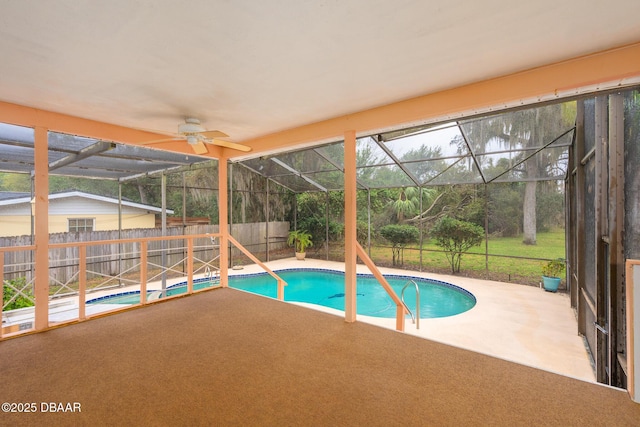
{"type": "Point", "coordinates": [121, 298]}
{"type": "Point", "coordinates": [133, 297]}
{"type": "Point", "coordinates": [326, 288]}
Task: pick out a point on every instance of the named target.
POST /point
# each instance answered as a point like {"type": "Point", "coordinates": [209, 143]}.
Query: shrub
{"type": "Point", "coordinates": [400, 236]}
{"type": "Point", "coordinates": [456, 237]}
{"type": "Point", "coordinates": [15, 300]}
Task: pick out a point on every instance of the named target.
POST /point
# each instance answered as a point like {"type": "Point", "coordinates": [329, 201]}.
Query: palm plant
{"type": "Point", "coordinates": [300, 239]}
{"type": "Point", "coordinates": [407, 203]}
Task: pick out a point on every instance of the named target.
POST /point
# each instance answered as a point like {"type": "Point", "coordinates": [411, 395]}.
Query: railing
{"type": "Point", "coordinates": [73, 291]}
{"type": "Point", "coordinates": [401, 308]}
{"type": "Point", "coordinates": [416, 317]}
{"type": "Point", "coordinates": [17, 290]}
{"type": "Point", "coordinates": [281, 283]}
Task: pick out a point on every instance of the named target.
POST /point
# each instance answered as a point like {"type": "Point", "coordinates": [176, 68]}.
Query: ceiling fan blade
{"type": "Point", "coordinates": [210, 134]}
{"type": "Point", "coordinates": [231, 145]}
{"type": "Point", "coordinates": [157, 141]}
{"type": "Point", "coordinates": [200, 148]}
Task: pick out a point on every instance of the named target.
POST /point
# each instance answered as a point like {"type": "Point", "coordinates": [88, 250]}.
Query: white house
{"type": "Point", "coordinates": [74, 211]}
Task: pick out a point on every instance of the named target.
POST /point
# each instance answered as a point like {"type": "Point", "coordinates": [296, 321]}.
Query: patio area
{"type": "Point", "coordinates": [226, 357]}
{"type": "Point", "coordinates": [518, 323]}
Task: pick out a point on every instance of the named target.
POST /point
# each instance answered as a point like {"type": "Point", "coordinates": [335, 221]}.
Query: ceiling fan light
{"type": "Point", "coordinates": [192, 139]}
{"type": "Point", "coordinates": [190, 125]}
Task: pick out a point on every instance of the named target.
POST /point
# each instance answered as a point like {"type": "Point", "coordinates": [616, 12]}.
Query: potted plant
{"type": "Point", "coordinates": [550, 274]}
{"type": "Point", "coordinates": [301, 240]}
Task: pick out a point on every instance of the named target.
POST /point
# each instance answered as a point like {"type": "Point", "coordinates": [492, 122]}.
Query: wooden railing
{"type": "Point", "coordinates": [401, 309]}
{"type": "Point", "coordinates": [281, 283]}
{"type": "Point", "coordinates": [79, 287]}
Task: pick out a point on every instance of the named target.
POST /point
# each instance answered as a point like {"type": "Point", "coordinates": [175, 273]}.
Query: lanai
{"type": "Point", "coordinates": [594, 66]}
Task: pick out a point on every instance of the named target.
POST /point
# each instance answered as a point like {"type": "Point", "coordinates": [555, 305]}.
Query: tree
{"type": "Point", "coordinates": [312, 214]}
{"type": "Point", "coordinates": [400, 236]}
{"type": "Point", "coordinates": [528, 139]}
{"type": "Point", "coordinates": [456, 237]}
{"type": "Point", "coordinates": [15, 182]}
{"type": "Point", "coordinates": [407, 203]}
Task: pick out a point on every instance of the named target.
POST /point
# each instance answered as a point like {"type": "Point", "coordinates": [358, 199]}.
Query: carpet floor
{"type": "Point", "coordinates": [225, 357]}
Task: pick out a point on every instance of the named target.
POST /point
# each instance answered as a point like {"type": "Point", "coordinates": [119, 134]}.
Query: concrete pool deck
{"type": "Point", "coordinates": [519, 323]}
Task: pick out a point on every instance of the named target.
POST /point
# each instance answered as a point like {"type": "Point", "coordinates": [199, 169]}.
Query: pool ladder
{"type": "Point", "coordinates": [213, 275]}
{"type": "Point", "coordinates": [415, 318]}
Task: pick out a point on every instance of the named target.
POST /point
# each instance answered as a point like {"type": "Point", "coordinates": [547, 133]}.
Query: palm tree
{"type": "Point", "coordinates": [407, 203]}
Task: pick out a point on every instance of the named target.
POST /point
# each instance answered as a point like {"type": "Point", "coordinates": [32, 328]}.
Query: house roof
{"type": "Point", "coordinates": [8, 198]}
{"type": "Point", "coordinates": [11, 195]}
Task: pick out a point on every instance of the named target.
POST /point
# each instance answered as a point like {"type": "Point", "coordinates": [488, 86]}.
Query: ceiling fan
{"type": "Point", "coordinates": [198, 137]}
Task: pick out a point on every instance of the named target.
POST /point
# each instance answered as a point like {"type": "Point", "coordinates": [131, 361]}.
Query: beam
{"type": "Point", "coordinates": [41, 210]}
{"type": "Point", "coordinates": [64, 123]}
{"type": "Point", "coordinates": [223, 222]}
{"type": "Point", "coordinates": [93, 149]}
{"type": "Point", "coordinates": [609, 69]}
{"type": "Point", "coordinates": [350, 255]}
{"type": "Point", "coordinates": [57, 122]}
{"type": "Point", "coordinates": [298, 173]}
{"type": "Point", "coordinates": [604, 70]}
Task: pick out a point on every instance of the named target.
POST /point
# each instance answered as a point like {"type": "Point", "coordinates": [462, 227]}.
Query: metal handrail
{"type": "Point", "coordinates": [416, 318]}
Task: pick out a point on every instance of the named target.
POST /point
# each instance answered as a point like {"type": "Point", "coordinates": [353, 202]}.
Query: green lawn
{"type": "Point", "coordinates": [550, 245]}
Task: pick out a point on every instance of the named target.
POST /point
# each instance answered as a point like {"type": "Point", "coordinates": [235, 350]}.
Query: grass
{"type": "Point", "coordinates": [503, 267]}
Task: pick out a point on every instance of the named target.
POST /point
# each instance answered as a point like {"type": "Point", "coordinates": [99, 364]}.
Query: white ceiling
{"type": "Point", "coordinates": [251, 68]}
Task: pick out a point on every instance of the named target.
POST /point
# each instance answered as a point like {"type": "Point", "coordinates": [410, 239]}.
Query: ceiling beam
{"type": "Point", "coordinates": [298, 173]}
{"type": "Point", "coordinates": [57, 122]}
{"type": "Point", "coordinates": [93, 149]}
{"type": "Point", "coordinates": [610, 69]}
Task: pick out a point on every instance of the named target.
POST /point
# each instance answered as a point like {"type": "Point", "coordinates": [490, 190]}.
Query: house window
{"type": "Point", "coordinates": [80, 224]}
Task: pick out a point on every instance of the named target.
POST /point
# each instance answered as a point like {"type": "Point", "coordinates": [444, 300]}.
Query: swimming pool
{"type": "Point", "coordinates": [326, 288]}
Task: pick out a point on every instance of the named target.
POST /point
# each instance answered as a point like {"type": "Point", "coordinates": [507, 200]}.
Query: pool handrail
{"type": "Point", "coordinates": [281, 283]}
{"type": "Point", "coordinates": [416, 317]}
{"type": "Point", "coordinates": [401, 308]}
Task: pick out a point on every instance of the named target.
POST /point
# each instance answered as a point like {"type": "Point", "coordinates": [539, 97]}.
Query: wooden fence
{"type": "Point", "coordinates": [109, 260]}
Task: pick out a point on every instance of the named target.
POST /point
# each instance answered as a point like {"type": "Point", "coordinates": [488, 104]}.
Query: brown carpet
{"type": "Point", "coordinates": [228, 358]}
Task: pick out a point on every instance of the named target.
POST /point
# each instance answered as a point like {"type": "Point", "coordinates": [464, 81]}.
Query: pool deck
{"type": "Point", "coordinates": [522, 324]}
